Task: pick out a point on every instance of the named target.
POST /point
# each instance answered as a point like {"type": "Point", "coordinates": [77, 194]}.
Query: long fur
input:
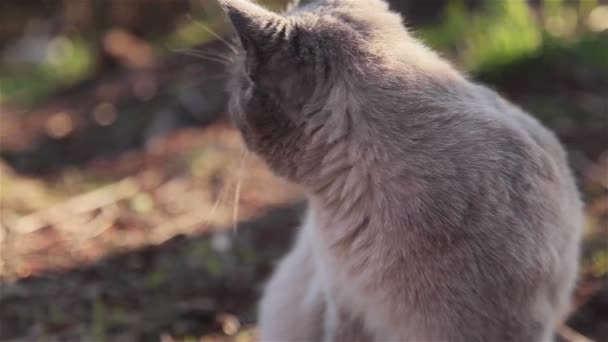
{"type": "Point", "coordinates": [438, 210]}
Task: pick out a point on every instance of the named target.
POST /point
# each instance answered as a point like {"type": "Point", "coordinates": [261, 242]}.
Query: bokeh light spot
{"type": "Point", "coordinates": [104, 113]}
{"type": "Point", "coordinates": [59, 125]}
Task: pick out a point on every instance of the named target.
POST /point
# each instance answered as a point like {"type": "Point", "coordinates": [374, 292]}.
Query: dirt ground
{"type": "Point", "coordinates": [123, 229]}
{"type": "Point", "coordinates": [155, 254]}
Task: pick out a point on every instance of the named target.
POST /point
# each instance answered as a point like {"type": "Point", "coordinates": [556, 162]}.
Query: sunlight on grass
{"type": "Point", "coordinates": [506, 31]}
{"type": "Point", "coordinates": [599, 264]}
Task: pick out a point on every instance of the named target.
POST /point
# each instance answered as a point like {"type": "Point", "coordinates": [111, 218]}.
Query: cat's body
{"type": "Point", "coordinates": [437, 210]}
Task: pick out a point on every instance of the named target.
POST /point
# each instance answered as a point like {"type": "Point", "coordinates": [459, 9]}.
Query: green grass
{"type": "Point", "coordinates": [67, 62]}
{"type": "Point", "coordinates": [482, 42]}
{"type": "Point", "coordinates": [506, 32]}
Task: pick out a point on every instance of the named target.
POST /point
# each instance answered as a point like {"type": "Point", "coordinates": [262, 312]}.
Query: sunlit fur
{"type": "Point", "coordinates": [437, 210]}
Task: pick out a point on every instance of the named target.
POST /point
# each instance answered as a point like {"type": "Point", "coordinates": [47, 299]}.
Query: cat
{"type": "Point", "coordinates": [438, 211]}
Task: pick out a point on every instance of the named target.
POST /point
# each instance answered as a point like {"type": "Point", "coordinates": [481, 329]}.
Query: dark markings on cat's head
{"type": "Point", "coordinates": [290, 67]}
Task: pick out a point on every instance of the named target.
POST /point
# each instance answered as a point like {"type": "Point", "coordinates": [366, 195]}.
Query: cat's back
{"type": "Point", "coordinates": [530, 171]}
{"type": "Point", "coordinates": [542, 148]}
{"type": "Point", "coordinates": [524, 121]}
{"type": "Point", "coordinates": [494, 165]}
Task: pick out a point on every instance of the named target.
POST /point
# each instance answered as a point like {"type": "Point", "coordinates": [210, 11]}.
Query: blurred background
{"type": "Point", "coordinates": [129, 210]}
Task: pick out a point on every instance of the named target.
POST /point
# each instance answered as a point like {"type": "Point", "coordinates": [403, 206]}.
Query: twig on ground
{"type": "Point", "coordinates": [80, 204]}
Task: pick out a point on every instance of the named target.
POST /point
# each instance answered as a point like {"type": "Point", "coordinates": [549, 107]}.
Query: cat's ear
{"type": "Point", "coordinates": [253, 24]}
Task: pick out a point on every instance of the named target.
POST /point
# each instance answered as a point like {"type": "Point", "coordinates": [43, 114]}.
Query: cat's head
{"type": "Point", "coordinates": [294, 75]}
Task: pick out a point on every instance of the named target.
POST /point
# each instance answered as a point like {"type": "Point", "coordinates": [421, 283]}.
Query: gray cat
{"type": "Point", "coordinates": [438, 211]}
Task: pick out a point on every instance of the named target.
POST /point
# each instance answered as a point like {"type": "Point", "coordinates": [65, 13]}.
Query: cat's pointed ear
{"type": "Point", "coordinates": [252, 23]}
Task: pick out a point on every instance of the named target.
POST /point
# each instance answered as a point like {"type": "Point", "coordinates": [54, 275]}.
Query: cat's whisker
{"type": "Point", "coordinates": [201, 55]}
{"type": "Point", "coordinates": [216, 35]}
{"type": "Point", "coordinates": [210, 57]}
{"type": "Point", "coordinates": [218, 201]}
{"type": "Point", "coordinates": [213, 53]}
{"type": "Point", "coordinates": [226, 59]}
{"type": "Point", "coordinates": [237, 191]}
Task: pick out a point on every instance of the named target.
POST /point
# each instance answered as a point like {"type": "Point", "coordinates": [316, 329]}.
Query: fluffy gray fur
{"type": "Point", "coordinates": [438, 210]}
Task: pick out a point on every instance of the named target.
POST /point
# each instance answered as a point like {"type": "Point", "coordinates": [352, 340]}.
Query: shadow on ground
{"type": "Point", "coordinates": [187, 286]}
